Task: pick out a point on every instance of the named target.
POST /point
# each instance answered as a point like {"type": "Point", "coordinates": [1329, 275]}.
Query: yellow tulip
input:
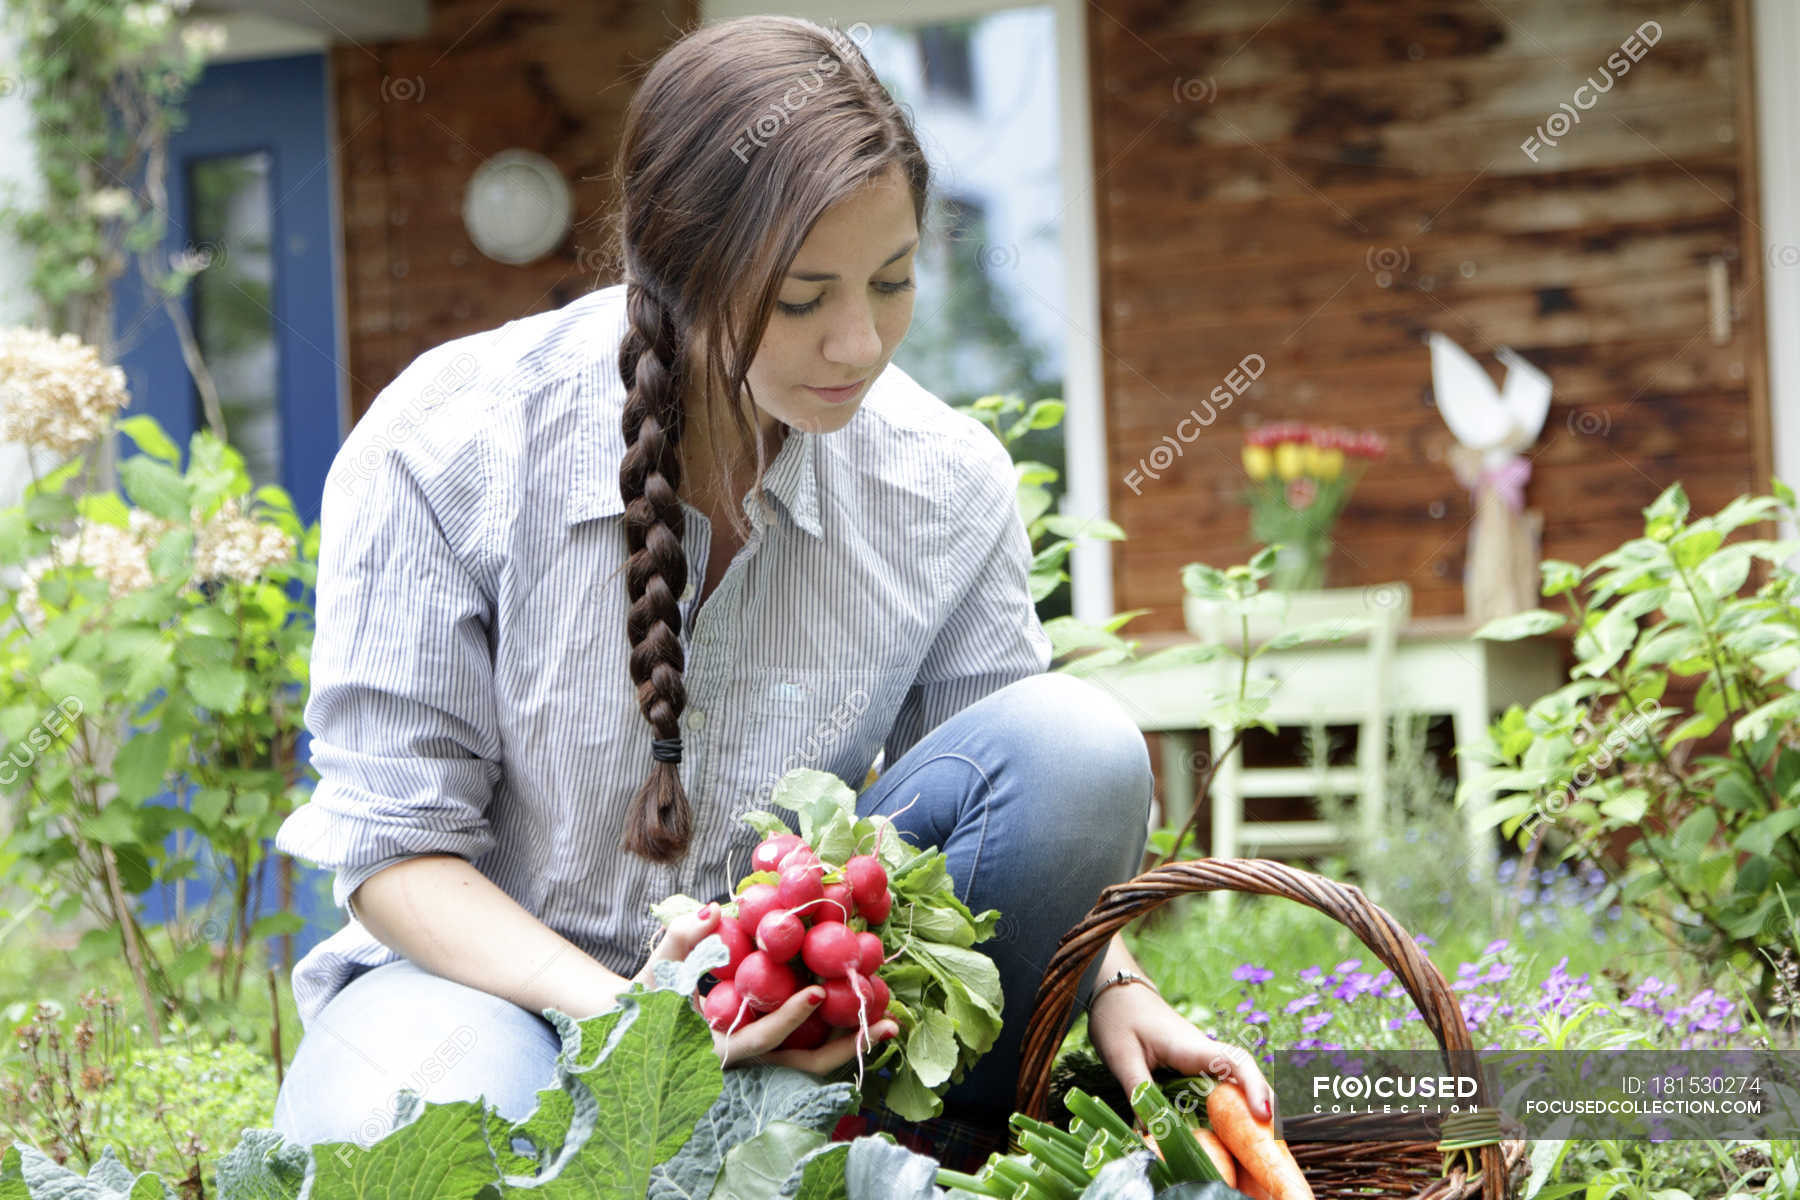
{"type": "Point", "coordinates": [1326, 463]}
{"type": "Point", "coordinates": [1256, 462]}
{"type": "Point", "coordinates": [1289, 461]}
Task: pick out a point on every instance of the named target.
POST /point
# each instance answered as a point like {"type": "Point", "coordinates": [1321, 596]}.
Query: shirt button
{"type": "Point", "coordinates": [696, 719]}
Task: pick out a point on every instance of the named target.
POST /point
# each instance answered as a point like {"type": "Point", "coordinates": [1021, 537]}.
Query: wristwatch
{"type": "Point", "coordinates": [1120, 976]}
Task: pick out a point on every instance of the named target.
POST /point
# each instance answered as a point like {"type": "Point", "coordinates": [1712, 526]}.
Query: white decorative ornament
{"type": "Point", "coordinates": [1493, 428]}
{"type": "Point", "coordinates": [516, 207]}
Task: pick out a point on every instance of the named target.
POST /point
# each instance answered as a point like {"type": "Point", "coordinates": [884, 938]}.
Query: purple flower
{"type": "Point", "coordinates": [1316, 1022]}
{"type": "Point", "coordinates": [1312, 974]}
{"type": "Point", "coordinates": [1494, 947]}
{"type": "Point", "coordinates": [1360, 983]}
{"type": "Point", "coordinates": [1348, 965]}
{"type": "Point", "coordinates": [1252, 974]}
{"type": "Point", "coordinates": [1302, 1003]}
{"type": "Point", "coordinates": [1257, 1018]}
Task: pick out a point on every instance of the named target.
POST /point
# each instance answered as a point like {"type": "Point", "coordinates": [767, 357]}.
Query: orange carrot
{"type": "Point", "coordinates": [1253, 1143]}
{"type": "Point", "coordinates": [1209, 1142]}
{"type": "Point", "coordinates": [1253, 1189]}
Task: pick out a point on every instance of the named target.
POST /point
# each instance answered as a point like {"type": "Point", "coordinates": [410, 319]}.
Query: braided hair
{"type": "Point", "coordinates": [741, 135]}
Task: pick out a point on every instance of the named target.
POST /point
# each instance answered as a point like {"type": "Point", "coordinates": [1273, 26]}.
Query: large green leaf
{"type": "Point", "coordinates": [1532, 623]}
{"type": "Point", "coordinates": [650, 1066]}
{"type": "Point", "coordinates": [931, 1048]}
{"type": "Point", "coordinates": [757, 1167]}
{"type": "Point", "coordinates": [155, 487]}
{"type": "Point", "coordinates": [66, 679]}
{"type": "Point", "coordinates": [440, 1154]}
{"type": "Point", "coordinates": [27, 1173]}
{"type": "Point", "coordinates": [220, 689]}
{"type": "Point", "coordinates": [150, 438]}
{"type": "Point", "coordinates": [142, 764]}
{"type": "Point", "coordinates": [877, 1166]}
{"type": "Point", "coordinates": [262, 1166]}
{"type": "Point", "coordinates": [820, 1175]}
{"type": "Point", "coordinates": [1760, 837]}
{"type": "Point", "coordinates": [752, 1100]}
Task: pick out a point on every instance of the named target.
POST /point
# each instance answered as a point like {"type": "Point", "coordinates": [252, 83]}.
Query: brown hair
{"type": "Point", "coordinates": [738, 139]}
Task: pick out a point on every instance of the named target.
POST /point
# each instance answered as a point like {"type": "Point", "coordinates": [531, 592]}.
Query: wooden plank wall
{"type": "Point", "coordinates": [1323, 181]}
{"type": "Point", "coordinates": [415, 118]}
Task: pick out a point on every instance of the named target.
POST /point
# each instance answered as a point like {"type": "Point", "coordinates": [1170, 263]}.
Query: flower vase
{"type": "Point", "coordinates": [1300, 567]}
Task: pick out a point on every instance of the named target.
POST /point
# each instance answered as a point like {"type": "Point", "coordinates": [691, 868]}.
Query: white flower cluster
{"type": "Point", "coordinates": [55, 393]}
{"type": "Point", "coordinates": [119, 556]}
{"type": "Point", "coordinates": [204, 39]}
{"type": "Point", "coordinates": [234, 546]}
{"type": "Point", "coordinates": [109, 203]}
{"type": "Point", "coordinates": [229, 546]}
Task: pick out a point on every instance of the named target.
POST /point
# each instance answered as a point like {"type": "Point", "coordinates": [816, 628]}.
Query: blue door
{"type": "Point", "coordinates": [250, 195]}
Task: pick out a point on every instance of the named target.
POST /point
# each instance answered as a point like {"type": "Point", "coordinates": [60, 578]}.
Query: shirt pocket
{"type": "Point", "coordinates": [825, 718]}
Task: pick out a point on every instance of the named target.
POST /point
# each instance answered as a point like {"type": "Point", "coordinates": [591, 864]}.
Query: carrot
{"type": "Point", "coordinates": [1209, 1142]}
{"type": "Point", "coordinates": [1262, 1156]}
{"type": "Point", "coordinates": [1253, 1189]}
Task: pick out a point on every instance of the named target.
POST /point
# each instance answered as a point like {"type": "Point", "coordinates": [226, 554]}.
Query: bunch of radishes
{"type": "Point", "coordinates": [807, 926]}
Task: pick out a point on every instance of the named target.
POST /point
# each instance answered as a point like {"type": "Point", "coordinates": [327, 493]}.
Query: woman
{"type": "Point", "coordinates": [519, 750]}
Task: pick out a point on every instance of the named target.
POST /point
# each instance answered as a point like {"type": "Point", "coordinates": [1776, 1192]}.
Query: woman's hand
{"type": "Point", "coordinates": [754, 1040]}
{"type": "Point", "coordinates": [1135, 1031]}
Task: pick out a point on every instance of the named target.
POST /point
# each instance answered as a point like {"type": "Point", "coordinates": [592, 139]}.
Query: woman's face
{"type": "Point", "coordinates": [842, 310]}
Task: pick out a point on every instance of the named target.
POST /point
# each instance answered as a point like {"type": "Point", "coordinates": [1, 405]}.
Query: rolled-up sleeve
{"type": "Point", "coordinates": [991, 635]}
{"type": "Point", "coordinates": [402, 714]}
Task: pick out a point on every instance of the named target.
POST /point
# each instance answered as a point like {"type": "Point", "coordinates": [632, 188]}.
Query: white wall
{"type": "Point", "coordinates": [18, 167]}
{"type": "Point", "coordinates": [1776, 31]}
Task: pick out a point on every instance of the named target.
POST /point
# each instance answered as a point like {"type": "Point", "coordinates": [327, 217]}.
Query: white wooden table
{"type": "Point", "coordinates": [1438, 668]}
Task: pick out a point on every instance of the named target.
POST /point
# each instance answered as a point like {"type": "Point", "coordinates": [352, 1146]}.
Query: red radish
{"type": "Point", "coordinates": [768, 855]}
{"type": "Point", "coordinates": [800, 884]}
{"type": "Point", "coordinates": [764, 982]}
{"type": "Point", "coordinates": [831, 949]}
{"type": "Point", "coordinates": [780, 934]}
{"type": "Point", "coordinates": [810, 1034]}
{"type": "Point", "coordinates": [840, 1007]}
{"type": "Point", "coordinates": [873, 953]}
{"type": "Point", "coordinates": [839, 904]}
{"type": "Point", "coordinates": [737, 944]}
{"type": "Point", "coordinates": [755, 903]}
{"type": "Point", "coordinates": [722, 1007]}
{"type": "Point", "coordinates": [868, 880]}
{"type": "Point", "coordinates": [877, 910]}
{"type": "Point", "coordinates": [802, 855]}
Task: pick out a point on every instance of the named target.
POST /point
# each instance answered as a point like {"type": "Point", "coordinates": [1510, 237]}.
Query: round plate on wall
{"type": "Point", "coordinates": [516, 207]}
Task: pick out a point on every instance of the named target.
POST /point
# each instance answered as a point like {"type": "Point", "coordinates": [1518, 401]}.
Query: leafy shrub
{"type": "Point", "coordinates": [1716, 859]}
{"type": "Point", "coordinates": [77, 1088]}
{"type": "Point", "coordinates": [153, 672]}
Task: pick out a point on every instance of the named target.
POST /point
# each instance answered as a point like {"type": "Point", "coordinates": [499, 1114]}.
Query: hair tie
{"type": "Point", "coordinates": [666, 749]}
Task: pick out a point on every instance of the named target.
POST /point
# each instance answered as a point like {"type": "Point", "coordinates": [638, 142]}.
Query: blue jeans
{"type": "Point", "coordinates": [1039, 795]}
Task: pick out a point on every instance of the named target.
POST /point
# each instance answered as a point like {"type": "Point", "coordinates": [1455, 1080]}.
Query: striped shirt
{"type": "Point", "coordinates": [471, 692]}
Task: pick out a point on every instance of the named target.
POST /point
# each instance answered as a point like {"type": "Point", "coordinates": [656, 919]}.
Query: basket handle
{"type": "Point", "coordinates": [1121, 903]}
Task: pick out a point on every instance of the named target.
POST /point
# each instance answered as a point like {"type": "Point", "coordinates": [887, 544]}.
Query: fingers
{"type": "Point", "coordinates": [1129, 1066]}
{"type": "Point", "coordinates": [835, 1053]}
{"type": "Point", "coordinates": [682, 935]}
{"type": "Point", "coordinates": [1240, 1067]}
{"type": "Point", "coordinates": [761, 1035]}
{"type": "Point", "coordinates": [756, 1040]}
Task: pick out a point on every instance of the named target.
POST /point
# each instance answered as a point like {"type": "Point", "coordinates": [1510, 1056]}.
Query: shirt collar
{"type": "Point", "coordinates": [792, 478]}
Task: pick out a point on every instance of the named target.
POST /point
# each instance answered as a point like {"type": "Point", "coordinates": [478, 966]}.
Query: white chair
{"type": "Point", "coordinates": [1376, 614]}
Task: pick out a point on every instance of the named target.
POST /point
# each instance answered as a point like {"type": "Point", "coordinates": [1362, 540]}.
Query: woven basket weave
{"type": "Point", "coordinates": [1364, 1170]}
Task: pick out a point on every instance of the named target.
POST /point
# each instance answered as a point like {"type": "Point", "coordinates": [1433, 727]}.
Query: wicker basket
{"type": "Point", "coordinates": [1365, 1170]}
